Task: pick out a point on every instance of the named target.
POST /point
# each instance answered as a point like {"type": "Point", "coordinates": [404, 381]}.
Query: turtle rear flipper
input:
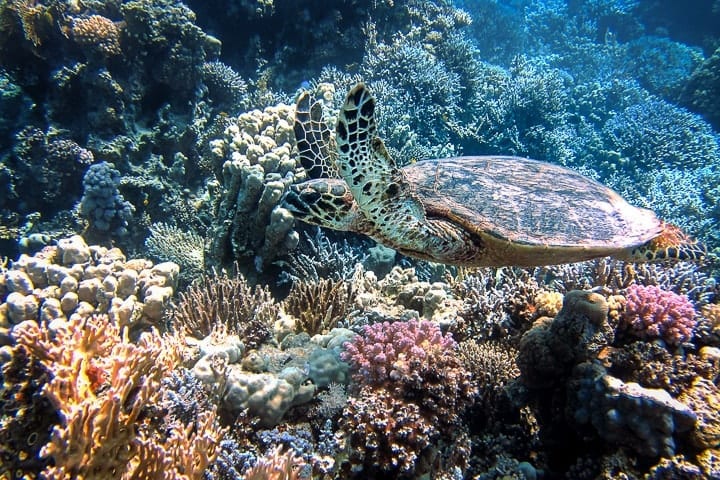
{"type": "Point", "coordinates": [314, 139]}
{"type": "Point", "coordinates": [671, 244]}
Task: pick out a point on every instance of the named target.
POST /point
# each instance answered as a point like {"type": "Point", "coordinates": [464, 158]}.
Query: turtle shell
{"type": "Point", "coordinates": [530, 203]}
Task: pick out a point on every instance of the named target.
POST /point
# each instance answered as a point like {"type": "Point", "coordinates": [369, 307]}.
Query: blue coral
{"type": "Point", "coordinates": [102, 204]}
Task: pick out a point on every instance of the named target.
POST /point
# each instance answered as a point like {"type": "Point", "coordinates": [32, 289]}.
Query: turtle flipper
{"type": "Point", "coordinates": [314, 138]}
{"type": "Point", "coordinates": [671, 244]}
{"type": "Point", "coordinates": [378, 185]}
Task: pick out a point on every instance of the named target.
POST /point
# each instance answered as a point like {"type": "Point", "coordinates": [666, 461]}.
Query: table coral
{"type": "Point", "coordinates": [651, 312]}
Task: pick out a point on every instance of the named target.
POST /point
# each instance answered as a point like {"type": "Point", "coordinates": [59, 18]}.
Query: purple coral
{"type": "Point", "coordinates": [393, 351]}
{"type": "Point", "coordinates": [410, 392]}
{"type": "Point", "coordinates": [651, 312]}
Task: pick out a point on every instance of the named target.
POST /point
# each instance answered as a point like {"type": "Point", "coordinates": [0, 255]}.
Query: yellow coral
{"type": "Point", "coordinates": [548, 303]}
{"type": "Point", "coordinates": [101, 384]}
{"type": "Point", "coordinates": [98, 33]}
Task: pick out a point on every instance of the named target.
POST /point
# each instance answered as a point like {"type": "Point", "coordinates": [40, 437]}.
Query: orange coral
{"type": "Point", "coordinates": [98, 33]}
{"type": "Point", "coordinates": [101, 386]}
{"type": "Point", "coordinates": [277, 466]}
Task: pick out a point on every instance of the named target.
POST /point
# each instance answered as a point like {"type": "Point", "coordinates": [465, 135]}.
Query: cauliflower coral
{"type": "Point", "coordinates": [651, 312]}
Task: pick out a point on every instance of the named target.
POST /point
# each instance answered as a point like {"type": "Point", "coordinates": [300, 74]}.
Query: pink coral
{"type": "Point", "coordinates": [414, 361]}
{"type": "Point", "coordinates": [410, 391]}
{"type": "Point", "coordinates": [393, 351]}
{"type": "Point", "coordinates": [651, 312]}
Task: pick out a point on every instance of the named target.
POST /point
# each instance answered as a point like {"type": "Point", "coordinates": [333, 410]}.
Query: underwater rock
{"type": "Point", "coordinates": [644, 419]}
{"type": "Point", "coordinates": [549, 350]}
{"type": "Point", "coordinates": [703, 397]}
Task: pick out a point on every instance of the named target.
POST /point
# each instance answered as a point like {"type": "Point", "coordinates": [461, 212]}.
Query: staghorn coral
{"type": "Point", "coordinates": [496, 302]}
{"type": "Point", "coordinates": [225, 85]}
{"type": "Point", "coordinates": [101, 384]}
{"type": "Point", "coordinates": [651, 312]}
{"type": "Point", "coordinates": [319, 306]}
{"type": "Point", "coordinates": [254, 167]}
{"type": "Point", "coordinates": [228, 301]}
{"type": "Point", "coordinates": [318, 257]}
{"type": "Point", "coordinates": [656, 134]}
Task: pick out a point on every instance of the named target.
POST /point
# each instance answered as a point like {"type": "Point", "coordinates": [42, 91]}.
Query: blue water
{"type": "Point", "coordinates": [165, 129]}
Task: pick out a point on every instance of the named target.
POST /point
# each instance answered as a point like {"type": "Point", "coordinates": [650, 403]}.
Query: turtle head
{"type": "Point", "coordinates": [326, 202]}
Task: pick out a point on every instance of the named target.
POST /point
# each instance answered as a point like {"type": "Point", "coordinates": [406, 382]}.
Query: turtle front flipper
{"type": "Point", "coordinates": [671, 244]}
{"type": "Point", "coordinates": [314, 139]}
{"type": "Point", "coordinates": [378, 185]}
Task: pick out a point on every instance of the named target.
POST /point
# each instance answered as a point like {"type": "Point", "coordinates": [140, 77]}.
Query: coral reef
{"type": "Point", "coordinates": [254, 167]}
{"type": "Point", "coordinates": [168, 243]}
{"type": "Point", "coordinates": [269, 381]}
{"type": "Point", "coordinates": [102, 204]}
{"type": "Point", "coordinates": [72, 279]}
{"type": "Point", "coordinates": [227, 302]}
{"type": "Point", "coordinates": [626, 413]}
{"type": "Point", "coordinates": [101, 384]}
{"type": "Point", "coordinates": [651, 312]}
{"type": "Point", "coordinates": [411, 370]}
{"type": "Point", "coordinates": [549, 350]}
{"type": "Point", "coordinates": [319, 306]}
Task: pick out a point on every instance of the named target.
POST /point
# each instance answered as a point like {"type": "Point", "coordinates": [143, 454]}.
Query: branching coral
{"type": "Point", "coordinates": [651, 312]}
{"type": "Point", "coordinates": [411, 369]}
{"type": "Point", "coordinates": [277, 465]}
{"type": "Point", "coordinates": [184, 247]}
{"type": "Point", "coordinates": [228, 301]}
{"type": "Point", "coordinates": [496, 302]}
{"type": "Point", "coordinates": [319, 306]}
{"type": "Point", "coordinates": [101, 384]}
{"type": "Point", "coordinates": [386, 436]}
{"type": "Point", "coordinates": [492, 365]}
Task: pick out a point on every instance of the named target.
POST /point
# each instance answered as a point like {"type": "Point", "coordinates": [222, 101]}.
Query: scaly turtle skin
{"type": "Point", "coordinates": [471, 211]}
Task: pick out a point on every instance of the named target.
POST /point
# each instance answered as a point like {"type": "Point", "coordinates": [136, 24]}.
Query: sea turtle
{"type": "Point", "coordinates": [470, 211]}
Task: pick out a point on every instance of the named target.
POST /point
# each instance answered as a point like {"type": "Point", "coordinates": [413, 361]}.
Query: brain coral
{"type": "Point", "coordinates": [651, 312]}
